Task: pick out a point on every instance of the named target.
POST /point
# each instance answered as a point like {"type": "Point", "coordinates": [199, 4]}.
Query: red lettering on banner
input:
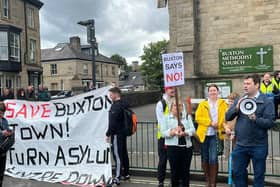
{"type": "Point", "coordinates": [22, 111]}
{"type": "Point", "coordinates": [174, 77]}
{"type": "Point", "coordinates": [31, 110]}
{"type": "Point", "coordinates": [44, 115]}
{"type": "Point", "coordinates": [36, 111]}
{"type": "Point", "coordinates": [11, 110]}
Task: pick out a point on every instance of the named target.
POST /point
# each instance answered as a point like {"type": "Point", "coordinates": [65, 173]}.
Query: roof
{"type": "Point", "coordinates": [64, 51]}
{"type": "Point", "coordinates": [131, 79]}
{"type": "Point", "coordinates": [36, 3]}
{"type": "Point", "coordinates": [85, 46]}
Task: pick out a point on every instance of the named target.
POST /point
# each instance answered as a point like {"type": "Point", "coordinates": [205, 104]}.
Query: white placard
{"type": "Point", "coordinates": [173, 69]}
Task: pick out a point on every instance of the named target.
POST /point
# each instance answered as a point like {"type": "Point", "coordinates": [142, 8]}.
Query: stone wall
{"type": "Point", "coordinates": [141, 98]}
{"type": "Point", "coordinates": [222, 24]}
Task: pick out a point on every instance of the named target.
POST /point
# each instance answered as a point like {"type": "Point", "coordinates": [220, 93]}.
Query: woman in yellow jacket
{"type": "Point", "coordinates": [210, 116]}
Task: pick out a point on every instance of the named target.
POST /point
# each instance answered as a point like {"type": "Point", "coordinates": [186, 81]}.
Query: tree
{"type": "Point", "coordinates": [122, 61]}
{"type": "Point", "coordinates": [152, 64]}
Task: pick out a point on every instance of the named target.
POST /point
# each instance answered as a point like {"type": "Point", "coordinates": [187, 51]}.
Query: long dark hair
{"type": "Point", "coordinates": [213, 85]}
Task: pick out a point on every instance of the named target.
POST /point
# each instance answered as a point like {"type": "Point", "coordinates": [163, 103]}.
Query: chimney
{"type": "Point", "coordinates": [135, 66]}
{"type": "Point", "coordinates": [75, 43]}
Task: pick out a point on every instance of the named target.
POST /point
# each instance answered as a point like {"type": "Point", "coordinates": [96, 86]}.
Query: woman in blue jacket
{"type": "Point", "coordinates": [179, 145]}
{"type": "Point", "coordinates": [4, 132]}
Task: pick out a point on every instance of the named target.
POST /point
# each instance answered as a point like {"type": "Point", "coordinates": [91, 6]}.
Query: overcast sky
{"type": "Point", "coordinates": [122, 26]}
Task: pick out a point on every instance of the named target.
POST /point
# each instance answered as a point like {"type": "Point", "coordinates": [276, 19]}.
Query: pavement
{"type": "Point", "coordinates": [134, 181]}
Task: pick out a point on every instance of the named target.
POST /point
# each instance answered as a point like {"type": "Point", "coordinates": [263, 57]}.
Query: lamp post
{"type": "Point", "coordinates": [92, 41]}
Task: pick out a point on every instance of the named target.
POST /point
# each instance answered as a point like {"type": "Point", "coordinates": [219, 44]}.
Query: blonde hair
{"type": "Point", "coordinates": [233, 95]}
{"type": "Point", "coordinates": [172, 102]}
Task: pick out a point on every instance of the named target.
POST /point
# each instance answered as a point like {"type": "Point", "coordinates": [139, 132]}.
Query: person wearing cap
{"type": "Point", "coordinates": [161, 112]}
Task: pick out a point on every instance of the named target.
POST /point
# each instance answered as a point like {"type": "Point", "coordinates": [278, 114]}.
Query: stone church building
{"type": "Point", "coordinates": [222, 41]}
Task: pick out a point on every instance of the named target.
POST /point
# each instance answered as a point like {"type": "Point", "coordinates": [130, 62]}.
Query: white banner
{"type": "Point", "coordinates": [62, 140]}
{"type": "Point", "coordinates": [173, 69]}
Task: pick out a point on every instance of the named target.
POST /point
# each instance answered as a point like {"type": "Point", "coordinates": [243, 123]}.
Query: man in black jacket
{"type": "Point", "coordinates": [115, 132]}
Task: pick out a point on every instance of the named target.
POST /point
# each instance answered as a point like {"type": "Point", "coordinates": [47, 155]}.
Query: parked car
{"type": "Point", "coordinates": [63, 94]}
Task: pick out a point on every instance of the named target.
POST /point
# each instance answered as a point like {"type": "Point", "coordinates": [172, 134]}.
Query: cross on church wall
{"type": "Point", "coordinates": [261, 53]}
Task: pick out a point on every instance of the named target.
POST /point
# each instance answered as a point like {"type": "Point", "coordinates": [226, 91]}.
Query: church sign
{"type": "Point", "coordinates": [246, 60]}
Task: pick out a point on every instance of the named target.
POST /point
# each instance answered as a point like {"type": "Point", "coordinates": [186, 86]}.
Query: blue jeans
{"type": "Point", "coordinates": [241, 157]}
{"type": "Point", "coordinates": [209, 150]}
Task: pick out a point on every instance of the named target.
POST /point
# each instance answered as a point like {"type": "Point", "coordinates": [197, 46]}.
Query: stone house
{"type": "Point", "coordinates": [222, 41]}
{"type": "Point", "coordinates": [132, 80]}
{"type": "Point", "coordinates": [68, 66]}
{"type": "Point", "coordinates": [20, 53]}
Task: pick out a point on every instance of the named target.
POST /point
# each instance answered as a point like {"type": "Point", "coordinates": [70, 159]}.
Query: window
{"type": "Point", "coordinates": [113, 70]}
{"type": "Point", "coordinates": [61, 84]}
{"type": "Point", "coordinates": [54, 86]}
{"type": "Point", "coordinates": [10, 45]}
{"type": "Point", "coordinates": [4, 54]}
{"type": "Point", "coordinates": [9, 82]}
{"type": "Point", "coordinates": [32, 49]}
{"type": "Point", "coordinates": [97, 69]}
{"type": "Point", "coordinates": [5, 4]}
{"type": "Point", "coordinates": [14, 47]}
{"type": "Point", "coordinates": [18, 82]}
{"type": "Point", "coordinates": [106, 70]}
{"type": "Point", "coordinates": [30, 17]}
{"type": "Point", "coordinates": [85, 69]}
{"type": "Point", "coordinates": [53, 69]}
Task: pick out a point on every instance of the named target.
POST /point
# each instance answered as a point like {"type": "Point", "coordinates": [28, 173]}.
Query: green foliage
{"type": "Point", "coordinates": [122, 61]}
{"type": "Point", "coordinates": [152, 64]}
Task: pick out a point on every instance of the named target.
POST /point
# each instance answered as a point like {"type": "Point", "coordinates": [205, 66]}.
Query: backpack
{"type": "Point", "coordinates": [130, 121]}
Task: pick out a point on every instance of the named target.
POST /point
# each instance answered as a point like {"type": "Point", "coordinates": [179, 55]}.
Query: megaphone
{"type": "Point", "coordinates": [248, 106]}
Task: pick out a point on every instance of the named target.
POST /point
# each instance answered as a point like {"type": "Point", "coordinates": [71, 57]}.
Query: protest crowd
{"type": "Point", "coordinates": [245, 135]}
{"type": "Point", "coordinates": [217, 120]}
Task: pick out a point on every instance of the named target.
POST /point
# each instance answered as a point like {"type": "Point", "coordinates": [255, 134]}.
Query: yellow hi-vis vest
{"type": "Point", "coordinates": [275, 83]}
{"type": "Point", "coordinates": [166, 111]}
{"type": "Point", "coordinates": [266, 89]}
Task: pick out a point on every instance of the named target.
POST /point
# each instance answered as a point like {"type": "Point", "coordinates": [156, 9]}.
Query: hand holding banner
{"type": "Point", "coordinates": [61, 140]}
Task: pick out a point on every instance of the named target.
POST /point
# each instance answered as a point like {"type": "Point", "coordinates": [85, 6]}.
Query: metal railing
{"type": "Point", "coordinates": [143, 154]}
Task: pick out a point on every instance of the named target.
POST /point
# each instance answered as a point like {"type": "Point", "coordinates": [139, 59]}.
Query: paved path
{"type": "Point", "coordinates": [135, 182]}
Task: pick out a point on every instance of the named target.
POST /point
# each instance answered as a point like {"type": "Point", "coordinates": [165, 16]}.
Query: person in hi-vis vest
{"type": "Point", "coordinates": [161, 111]}
{"type": "Point", "coordinates": [276, 90]}
{"type": "Point", "coordinates": [266, 87]}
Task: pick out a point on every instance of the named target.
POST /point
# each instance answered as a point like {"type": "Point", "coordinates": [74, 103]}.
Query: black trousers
{"type": "Point", "coordinates": [2, 167]}
{"type": "Point", "coordinates": [120, 155]}
{"type": "Point", "coordinates": [162, 161]}
{"type": "Point", "coordinates": [180, 162]}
